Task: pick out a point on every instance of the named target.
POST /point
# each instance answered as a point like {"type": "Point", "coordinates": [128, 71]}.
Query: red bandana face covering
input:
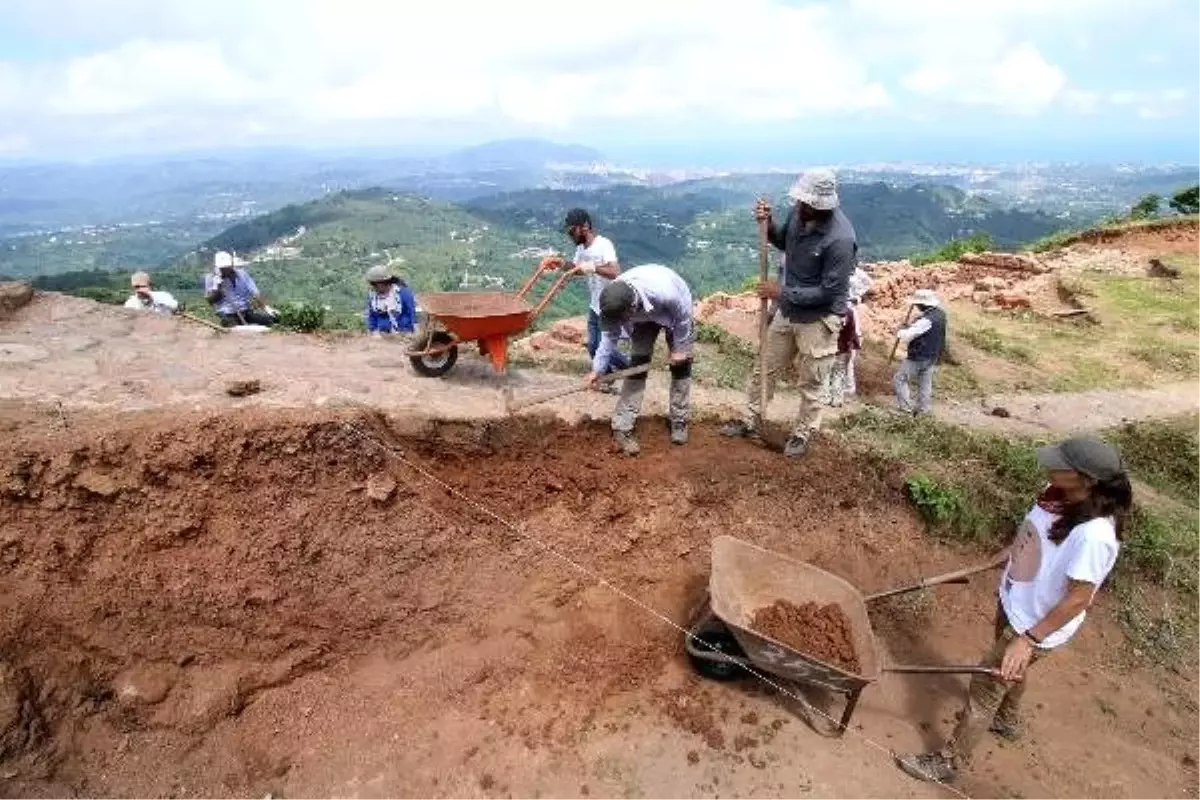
{"type": "Point", "coordinates": [1052, 500]}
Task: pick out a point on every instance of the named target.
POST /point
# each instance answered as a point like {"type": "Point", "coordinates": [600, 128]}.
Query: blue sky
{"type": "Point", "coordinates": [705, 81]}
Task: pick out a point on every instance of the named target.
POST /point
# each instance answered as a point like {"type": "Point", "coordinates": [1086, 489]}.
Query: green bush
{"type": "Point", "coordinates": [976, 243]}
{"type": "Point", "coordinates": [938, 504]}
{"type": "Point", "coordinates": [303, 317]}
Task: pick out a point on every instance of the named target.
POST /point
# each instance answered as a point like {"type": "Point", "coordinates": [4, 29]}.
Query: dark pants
{"type": "Point", "coordinates": [251, 316]}
{"type": "Point", "coordinates": [618, 360]}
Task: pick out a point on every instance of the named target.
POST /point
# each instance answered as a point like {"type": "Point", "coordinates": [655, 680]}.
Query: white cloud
{"type": "Point", "coordinates": [282, 68]}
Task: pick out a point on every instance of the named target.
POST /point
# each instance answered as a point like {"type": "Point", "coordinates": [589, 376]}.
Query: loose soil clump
{"type": "Point", "coordinates": [820, 631]}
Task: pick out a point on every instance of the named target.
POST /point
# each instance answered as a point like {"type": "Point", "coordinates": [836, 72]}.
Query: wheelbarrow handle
{"type": "Point", "coordinates": [945, 669]}
{"type": "Point", "coordinates": [958, 576]}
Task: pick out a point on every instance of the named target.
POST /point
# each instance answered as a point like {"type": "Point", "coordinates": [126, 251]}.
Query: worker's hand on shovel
{"type": "Point", "coordinates": [762, 209]}
{"type": "Point", "coordinates": [768, 290]}
{"type": "Point", "coordinates": [591, 382]}
{"type": "Point", "coordinates": [1016, 659]}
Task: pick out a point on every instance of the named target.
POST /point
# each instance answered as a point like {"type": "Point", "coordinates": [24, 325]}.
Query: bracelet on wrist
{"type": "Point", "coordinates": [1029, 635]}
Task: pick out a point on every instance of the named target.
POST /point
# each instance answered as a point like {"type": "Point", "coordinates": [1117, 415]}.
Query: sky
{"type": "Point", "coordinates": [673, 82]}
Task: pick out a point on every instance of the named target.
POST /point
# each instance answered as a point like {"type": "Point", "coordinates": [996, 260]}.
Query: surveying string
{"type": "Point", "coordinates": [591, 574]}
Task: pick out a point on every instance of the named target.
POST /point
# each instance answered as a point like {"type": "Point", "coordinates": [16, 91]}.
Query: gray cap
{"type": "Point", "coordinates": [616, 300]}
{"type": "Point", "coordinates": [1091, 457]}
{"type": "Point", "coordinates": [379, 274]}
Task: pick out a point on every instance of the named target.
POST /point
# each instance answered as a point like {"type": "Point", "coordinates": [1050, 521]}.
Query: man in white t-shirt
{"type": "Point", "coordinates": [1063, 551]}
{"type": "Point", "coordinates": [596, 258]}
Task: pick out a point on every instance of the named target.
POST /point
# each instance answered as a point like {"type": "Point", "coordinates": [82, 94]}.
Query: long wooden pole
{"type": "Point", "coordinates": [512, 405]}
{"type": "Point", "coordinates": [763, 322]}
{"type": "Point", "coordinates": [896, 346]}
{"type": "Point", "coordinates": [194, 318]}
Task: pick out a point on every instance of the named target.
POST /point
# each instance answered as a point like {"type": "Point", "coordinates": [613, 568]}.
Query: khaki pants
{"type": "Point", "coordinates": [989, 699]}
{"type": "Point", "coordinates": [815, 343]}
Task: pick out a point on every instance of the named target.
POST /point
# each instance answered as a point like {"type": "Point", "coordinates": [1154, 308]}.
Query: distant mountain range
{"type": "Point", "coordinates": [318, 251]}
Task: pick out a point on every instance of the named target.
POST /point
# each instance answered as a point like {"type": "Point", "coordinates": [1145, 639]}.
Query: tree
{"type": "Point", "coordinates": [1147, 207]}
{"type": "Point", "coordinates": [1187, 201]}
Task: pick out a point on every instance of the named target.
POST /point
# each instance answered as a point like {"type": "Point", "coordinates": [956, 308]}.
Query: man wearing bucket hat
{"type": "Point", "coordinates": [926, 338]}
{"type": "Point", "coordinates": [146, 298]}
{"type": "Point", "coordinates": [233, 294]}
{"type": "Point", "coordinates": [1064, 550]}
{"type": "Point", "coordinates": [820, 252]}
{"type": "Point", "coordinates": [391, 306]}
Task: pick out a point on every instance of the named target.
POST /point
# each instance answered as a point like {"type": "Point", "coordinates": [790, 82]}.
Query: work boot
{"type": "Point", "coordinates": [933, 767]}
{"type": "Point", "coordinates": [627, 443]}
{"type": "Point", "coordinates": [738, 429]}
{"type": "Point", "coordinates": [1006, 729]}
{"type": "Point", "coordinates": [796, 446]}
{"type": "Point", "coordinates": [679, 433]}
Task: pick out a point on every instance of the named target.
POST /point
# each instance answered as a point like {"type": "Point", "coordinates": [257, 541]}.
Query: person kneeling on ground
{"type": "Point", "coordinates": [1062, 553]}
{"type": "Point", "coordinates": [145, 298]}
{"type": "Point", "coordinates": [647, 299]}
{"type": "Point", "coordinates": [926, 339]}
{"type": "Point", "coordinates": [234, 296]}
{"type": "Point", "coordinates": [820, 252]}
{"type": "Point", "coordinates": [391, 306]}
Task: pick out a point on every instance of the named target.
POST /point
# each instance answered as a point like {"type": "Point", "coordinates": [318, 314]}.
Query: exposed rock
{"type": "Point", "coordinates": [572, 331]}
{"type": "Point", "coordinates": [1158, 269]}
{"type": "Point", "coordinates": [1011, 300]}
{"type": "Point", "coordinates": [1010, 261]}
{"type": "Point", "coordinates": [97, 483]}
{"type": "Point", "coordinates": [21, 725]}
{"type": "Point", "coordinates": [145, 684]}
{"type": "Point", "coordinates": [13, 295]}
{"type": "Point", "coordinates": [243, 388]}
{"type": "Point", "coordinates": [991, 283]}
{"type": "Point", "coordinates": [381, 487]}
{"type": "Point", "coordinates": [1000, 411]}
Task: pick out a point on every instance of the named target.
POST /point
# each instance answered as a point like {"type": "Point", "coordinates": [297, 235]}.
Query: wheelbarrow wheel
{"type": "Point", "coordinates": [436, 366]}
{"type": "Point", "coordinates": [714, 636]}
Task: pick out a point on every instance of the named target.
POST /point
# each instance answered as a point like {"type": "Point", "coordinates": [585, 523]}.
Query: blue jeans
{"type": "Point", "coordinates": [618, 360]}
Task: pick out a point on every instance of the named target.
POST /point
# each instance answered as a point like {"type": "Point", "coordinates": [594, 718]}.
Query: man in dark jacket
{"type": "Point", "coordinates": [926, 339]}
{"type": "Point", "coordinates": [820, 251]}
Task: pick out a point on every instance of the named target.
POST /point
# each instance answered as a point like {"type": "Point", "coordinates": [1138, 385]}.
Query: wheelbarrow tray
{"type": "Point", "coordinates": [479, 315]}
{"type": "Point", "coordinates": [746, 577]}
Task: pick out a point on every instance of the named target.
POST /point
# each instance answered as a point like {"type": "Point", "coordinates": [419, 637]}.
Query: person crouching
{"type": "Point", "coordinates": [647, 299]}
{"type": "Point", "coordinates": [391, 306]}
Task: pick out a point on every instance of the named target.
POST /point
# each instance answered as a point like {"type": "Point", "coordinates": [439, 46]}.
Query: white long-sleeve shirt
{"type": "Point", "coordinates": [663, 298]}
{"type": "Point", "coordinates": [922, 325]}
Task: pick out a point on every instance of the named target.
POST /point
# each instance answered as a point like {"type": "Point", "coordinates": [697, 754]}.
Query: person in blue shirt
{"type": "Point", "coordinates": [234, 296]}
{"type": "Point", "coordinates": [391, 305]}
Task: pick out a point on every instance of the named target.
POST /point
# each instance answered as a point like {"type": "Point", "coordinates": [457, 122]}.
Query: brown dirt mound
{"type": "Point", "coordinates": [820, 631]}
{"type": "Point", "coordinates": [167, 576]}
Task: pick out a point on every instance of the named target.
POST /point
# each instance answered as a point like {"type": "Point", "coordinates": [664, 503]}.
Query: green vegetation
{"type": "Point", "coordinates": [976, 243]}
{"type": "Point", "coordinates": [975, 487]}
{"type": "Point", "coordinates": [302, 317]}
{"type": "Point", "coordinates": [989, 340]}
{"type": "Point", "coordinates": [732, 364]}
{"type": "Point", "coordinates": [1186, 201]}
{"type": "Point", "coordinates": [1145, 208]}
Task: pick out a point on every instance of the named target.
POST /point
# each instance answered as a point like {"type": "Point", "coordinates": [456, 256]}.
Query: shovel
{"type": "Point", "coordinates": [511, 406]}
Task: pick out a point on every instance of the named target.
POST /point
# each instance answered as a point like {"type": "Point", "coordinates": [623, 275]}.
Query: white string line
{"type": "Point", "coordinates": [399, 456]}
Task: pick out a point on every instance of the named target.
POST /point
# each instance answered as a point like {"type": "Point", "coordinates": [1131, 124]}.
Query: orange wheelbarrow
{"type": "Point", "coordinates": [489, 319]}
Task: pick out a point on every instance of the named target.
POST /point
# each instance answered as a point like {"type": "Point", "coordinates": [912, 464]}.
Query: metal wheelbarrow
{"type": "Point", "coordinates": [721, 644]}
{"type": "Point", "coordinates": [487, 318]}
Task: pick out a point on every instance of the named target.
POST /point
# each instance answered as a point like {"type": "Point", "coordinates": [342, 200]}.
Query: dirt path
{"type": "Point", "coordinates": [1076, 412]}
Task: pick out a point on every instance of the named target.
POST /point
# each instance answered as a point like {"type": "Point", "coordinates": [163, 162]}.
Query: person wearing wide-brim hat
{"type": "Point", "coordinates": [812, 301]}
{"type": "Point", "coordinates": [926, 338]}
{"type": "Point", "coordinates": [391, 306]}
{"type": "Point", "coordinates": [1064, 550]}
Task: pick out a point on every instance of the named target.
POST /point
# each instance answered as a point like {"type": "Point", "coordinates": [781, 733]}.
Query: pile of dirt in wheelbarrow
{"type": "Point", "coordinates": [820, 631]}
{"type": "Point", "coordinates": [315, 604]}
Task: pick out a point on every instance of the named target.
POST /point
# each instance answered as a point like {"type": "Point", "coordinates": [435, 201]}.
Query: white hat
{"type": "Point", "coordinates": [816, 188]}
{"type": "Point", "coordinates": [222, 259]}
{"type": "Point", "coordinates": [924, 297]}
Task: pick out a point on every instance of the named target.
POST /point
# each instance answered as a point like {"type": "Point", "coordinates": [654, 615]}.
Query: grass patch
{"type": "Point", "coordinates": [1111, 225]}
{"type": "Point", "coordinates": [977, 243]}
{"type": "Point", "coordinates": [730, 360]}
{"type": "Point", "coordinates": [989, 340]}
{"type": "Point", "coordinates": [1165, 454]}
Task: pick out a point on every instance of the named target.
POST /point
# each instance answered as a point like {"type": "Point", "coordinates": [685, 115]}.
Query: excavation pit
{"type": "Point", "coordinates": [261, 602]}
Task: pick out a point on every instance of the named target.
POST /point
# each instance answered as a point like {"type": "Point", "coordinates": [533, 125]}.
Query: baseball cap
{"type": "Point", "coordinates": [222, 259]}
{"type": "Point", "coordinates": [816, 188]}
{"type": "Point", "coordinates": [577, 216]}
{"type": "Point", "coordinates": [616, 299]}
{"type": "Point", "coordinates": [1091, 457]}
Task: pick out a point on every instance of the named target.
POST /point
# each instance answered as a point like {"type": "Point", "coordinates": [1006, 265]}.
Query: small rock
{"type": "Point", "coordinates": [97, 483]}
{"type": "Point", "coordinates": [1000, 411]}
{"type": "Point", "coordinates": [555, 484]}
{"type": "Point", "coordinates": [243, 388]}
{"type": "Point", "coordinates": [757, 761]}
{"type": "Point", "coordinates": [693, 757]}
{"type": "Point", "coordinates": [381, 487]}
{"type": "Point", "coordinates": [1188, 760]}
{"type": "Point", "coordinates": [145, 684]}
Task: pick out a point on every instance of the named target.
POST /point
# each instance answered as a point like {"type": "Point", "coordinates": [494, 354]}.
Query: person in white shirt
{"type": "Point", "coordinates": [596, 258]}
{"type": "Point", "coordinates": [146, 298]}
{"type": "Point", "coordinates": [1062, 553]}
{"type": "Point", "coordinates": [926, 340]}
